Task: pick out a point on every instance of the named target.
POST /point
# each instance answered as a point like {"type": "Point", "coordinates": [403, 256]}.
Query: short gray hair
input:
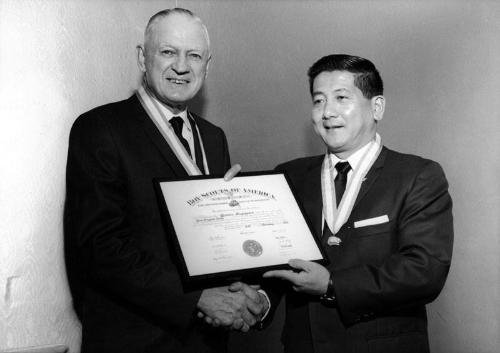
{"type": "Point", "coordinates": [168, 12]}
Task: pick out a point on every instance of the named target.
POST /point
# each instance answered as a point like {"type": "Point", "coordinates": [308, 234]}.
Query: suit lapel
{"type": "Point", "coordinates": [156, 138]}
{"type": "Point", "coordinates": [209, 145]}
{"type": "Point", "coordinates": [372, 175]}
{"type": "Point", "coordinates": [313, 201]}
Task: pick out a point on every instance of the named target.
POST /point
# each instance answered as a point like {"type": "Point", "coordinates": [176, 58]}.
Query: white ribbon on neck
{"type": "Point", "coordinates": [336, 217]}
{"type": "Point", "coordinates": [150, 105]}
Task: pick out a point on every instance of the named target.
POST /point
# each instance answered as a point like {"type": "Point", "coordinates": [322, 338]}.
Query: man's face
{"type": "Point", "coordinates": [341, 115]}
{"type": "Point", "coordinates": [175, 59]}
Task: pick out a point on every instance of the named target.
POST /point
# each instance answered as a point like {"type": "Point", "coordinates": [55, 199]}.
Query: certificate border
{"type": "Point", "coordinates": [225, 277]}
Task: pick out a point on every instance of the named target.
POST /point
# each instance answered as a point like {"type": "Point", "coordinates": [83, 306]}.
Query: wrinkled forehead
{"type": "Point", "coordinates": [178, 29]}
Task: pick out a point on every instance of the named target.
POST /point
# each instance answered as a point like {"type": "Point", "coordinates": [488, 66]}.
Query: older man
{"type": "Point", "coordinates": [383, 217]}
{"type": "Point", "coordinates": [126, 286]}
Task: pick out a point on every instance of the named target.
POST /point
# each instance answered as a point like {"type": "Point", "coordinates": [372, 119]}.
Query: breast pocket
{"type": "Point", "coordinates": [374, 243]}
{"type": "Point", "coordinates": [375, 229]}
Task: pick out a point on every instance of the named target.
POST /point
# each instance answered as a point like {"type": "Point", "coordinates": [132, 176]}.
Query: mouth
{"type": "Point", "coordinates": [177, 81]}
{"type": "Point", "coordinates": [332, 127]}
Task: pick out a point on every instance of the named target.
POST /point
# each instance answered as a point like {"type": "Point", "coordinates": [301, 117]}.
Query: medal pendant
{"type": "Point", "coordinates": [333, 241]}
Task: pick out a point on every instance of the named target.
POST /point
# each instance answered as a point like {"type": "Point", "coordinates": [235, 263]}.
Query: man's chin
{"type": "Point", "coordinates": [174, 105]}
{"type": "Point", "coordinates": [334, 146]}
{"type": "Point", "coordinates": [180, 99]}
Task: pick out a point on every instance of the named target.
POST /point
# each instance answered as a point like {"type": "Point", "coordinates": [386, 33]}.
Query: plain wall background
{"type": "Point", "coordinates": [439, 61]}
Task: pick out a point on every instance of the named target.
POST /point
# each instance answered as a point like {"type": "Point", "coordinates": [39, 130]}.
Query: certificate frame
{"type": "Point", "coordinates": [180, 228]}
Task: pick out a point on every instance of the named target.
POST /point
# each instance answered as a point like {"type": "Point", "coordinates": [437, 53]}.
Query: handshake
{"type": "Point", "coordinates": [238, 307]}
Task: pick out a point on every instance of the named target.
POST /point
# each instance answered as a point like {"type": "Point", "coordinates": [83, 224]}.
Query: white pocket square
{"type": "Point", "coordinates": [371, 221]}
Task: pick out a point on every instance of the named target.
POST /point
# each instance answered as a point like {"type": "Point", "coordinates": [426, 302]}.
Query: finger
{"type": "Point", "coordinates": [245, 328]}
{"type": "Point", "coordinates": [235, 287]}
{"type": "Point", "coordinates": [200, 315]}
{"type": "Point", "coordinates": [274, 273]}
{"type": "Point", "coordinates": [231, 173]}
{"type": "Point", "coordinates": [248, 291]}
{"type": "Point", "coordinates": [255, 306]}
{"type": "Point", "coordinates": [238, 324]}
{"type": "Point", "coordinates": [300, 264]}
{"type": "Point", "coordinates": [255, 286]}
{"type": "Point", "coordinates": [222, 318]}
{"type": "Point", "coordinates": [251, 293]}
{"type": "Point", "coordinates": [255, 309]}
{"type": "Point", "coordinates": [248, 317]}
{"type": "Point", "coordinates": [283, 274]}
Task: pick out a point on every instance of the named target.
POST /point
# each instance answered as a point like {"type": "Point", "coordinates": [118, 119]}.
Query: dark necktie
{"type": "Point", "coordinates": [341, 179]}
{"type": "Point", "coordinates": [177, 123]}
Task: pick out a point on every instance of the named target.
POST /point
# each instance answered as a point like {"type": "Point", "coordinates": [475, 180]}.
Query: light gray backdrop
{"type": "Point", "coordinates": [439, 61]}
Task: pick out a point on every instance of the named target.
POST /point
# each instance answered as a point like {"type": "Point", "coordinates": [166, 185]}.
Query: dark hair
{"type": "Point", "coordinates": [367, 78]}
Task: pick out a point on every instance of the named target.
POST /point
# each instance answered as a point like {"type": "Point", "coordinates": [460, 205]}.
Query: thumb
{"type": "Point", "coordinates": [299, 264]}
{"type": "Point", "coordinates": [236, 287]}
{"type": "Point", "coordinates": [231, 173]}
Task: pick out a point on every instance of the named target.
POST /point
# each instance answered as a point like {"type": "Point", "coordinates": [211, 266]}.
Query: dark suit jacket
{"type": "Point", "coordinates": [122, 272]}
{"type": "Point", "coordinates": [383, 274]}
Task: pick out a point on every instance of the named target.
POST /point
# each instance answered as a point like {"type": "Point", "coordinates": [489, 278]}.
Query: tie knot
{"type": "Point", "coordinates": [343, 168]}
{"type": "Point", "coordinates": [176, 123]}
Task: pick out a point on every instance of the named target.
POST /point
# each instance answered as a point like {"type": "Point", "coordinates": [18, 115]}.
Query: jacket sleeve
{"type": "Point", "coordinates": [102, 247]}
{"type": "Point", "coordinates": [416, 271]}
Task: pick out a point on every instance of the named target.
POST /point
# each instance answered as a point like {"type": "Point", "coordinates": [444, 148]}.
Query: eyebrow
{"type": "Point", "coordinates": [338, 90]}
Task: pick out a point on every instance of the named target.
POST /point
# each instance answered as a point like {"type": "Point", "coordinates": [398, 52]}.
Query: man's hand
{"type": "Point", "coordinates": [257, 302]}
{"type": "Point", "coordinates": [221, 307]}
{"type": "Point", "coordinates": [231, 173]}
{"type": "Point", "coordinates": [312, 278]}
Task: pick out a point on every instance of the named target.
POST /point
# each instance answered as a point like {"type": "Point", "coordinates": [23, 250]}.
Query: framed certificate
{"type": "Point", "coordinates": [237, 229]}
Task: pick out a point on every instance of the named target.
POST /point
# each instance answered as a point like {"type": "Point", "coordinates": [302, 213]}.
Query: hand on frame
{"type": "Point", "coordinates": [307, 277]}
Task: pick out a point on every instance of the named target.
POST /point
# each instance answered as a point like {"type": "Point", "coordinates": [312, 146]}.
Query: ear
{"type": "Point", "coordinates": [378, 107]}
{"type": "Point", "coordinates": [208, 65]}
{"type": "Point", "coordinates": [141, 58]}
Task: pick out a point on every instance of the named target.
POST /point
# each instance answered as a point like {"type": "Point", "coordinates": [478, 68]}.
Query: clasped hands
{"type": "Point", "coordinates": [238, 307]}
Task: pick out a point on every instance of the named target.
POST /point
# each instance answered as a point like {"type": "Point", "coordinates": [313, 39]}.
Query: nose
{"type": "Point", "coordinates": [180, 65]}
{"type": "Point", "coordinates": [330, 110]}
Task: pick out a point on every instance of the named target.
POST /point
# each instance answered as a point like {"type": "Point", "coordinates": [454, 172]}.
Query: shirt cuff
{"type": "Point", "coordinates": [268, 302]}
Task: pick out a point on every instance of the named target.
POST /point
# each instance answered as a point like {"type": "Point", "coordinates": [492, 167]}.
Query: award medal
{"type": "Point", "coordinates": [336, 217]}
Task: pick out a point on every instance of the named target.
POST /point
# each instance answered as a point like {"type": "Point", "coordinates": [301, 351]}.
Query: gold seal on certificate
{"type": "Point", "coordinates": [252, 248]}
{"type": "Point", "coordinates": [242, 227]}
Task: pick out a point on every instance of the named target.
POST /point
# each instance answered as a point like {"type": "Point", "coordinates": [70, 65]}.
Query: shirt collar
{"type": "Point", "coordinates": [354, 159]}
{"type": "Point", "coordinates": [169, 115]}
